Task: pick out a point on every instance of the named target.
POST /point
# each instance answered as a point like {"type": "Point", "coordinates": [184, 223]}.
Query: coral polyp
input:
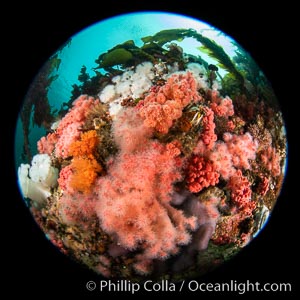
{"type": "Point", "coordinates": [161, 163]}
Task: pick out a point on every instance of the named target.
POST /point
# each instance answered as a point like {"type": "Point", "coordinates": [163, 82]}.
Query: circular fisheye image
{"type": "Point", "coordinates": [150, 145]}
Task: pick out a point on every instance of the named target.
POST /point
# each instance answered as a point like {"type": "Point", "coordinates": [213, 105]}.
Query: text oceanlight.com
{"type": "Point", "coordinates": [193, 286]}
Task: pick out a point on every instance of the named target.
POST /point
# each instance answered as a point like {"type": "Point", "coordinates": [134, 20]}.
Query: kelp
{"type": "Point", "coordinates": [156, 48]}
{"type": "Point", "coordinates": [118, 56]}
{"type": "Point", "coordinates": [208, 46]}
{"type": "Point", "coordinates": [128, 54]}
{"type": "Point", "coordinates": [215, 51]}
{"type": "Point", "coordinates": [242, 72]}
{"type": "Point", "coordinates": [260, 85]}
{"type": "Point", "coordinates": [89, 85]}
{"type": "Point", "coordinates": [122, 55]}
{"type": "Point", "coordinates": [36, 101]}
{"type": "Point", "coordinates": [168, 35]}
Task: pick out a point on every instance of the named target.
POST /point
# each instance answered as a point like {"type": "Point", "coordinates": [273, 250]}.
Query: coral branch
{"type": "Point", "coordinates": [200, 174]}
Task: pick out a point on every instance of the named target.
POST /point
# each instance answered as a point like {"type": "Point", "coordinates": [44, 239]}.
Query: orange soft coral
{"type": "Point", "coordinates": [86, 145]}
{"type": "Point", "coordinates": [85, 173]}
{"type": "Point", "coordinates": [84, 167]}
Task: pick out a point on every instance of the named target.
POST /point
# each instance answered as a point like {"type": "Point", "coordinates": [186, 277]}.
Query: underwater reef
{"type": "Point", "coordinates": [158, 166]}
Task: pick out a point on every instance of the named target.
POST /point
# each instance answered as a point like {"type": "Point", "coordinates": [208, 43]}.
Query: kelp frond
{"type": "Point", "coordinates": [217, 52]}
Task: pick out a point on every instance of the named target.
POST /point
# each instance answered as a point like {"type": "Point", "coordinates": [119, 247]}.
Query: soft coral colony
{"type": "Point", "coordinates": [162, 171]}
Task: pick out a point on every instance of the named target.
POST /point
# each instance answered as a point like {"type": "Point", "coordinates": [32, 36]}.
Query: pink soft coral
{"type": "Point", "coordinates": [208, 135]}
{"type": "Point", "coordinates": [222, 160]}
{"type": "Point", "coordinates": [200, 174]}
{"type": "Point", "coordinates": [242, 148]}
{"type": "Point", "coordinates": [134, 197]}
{"type": "Point", "coordinates": [134, 202]}
{"type": "Point", "coordinates": [165, 104]}
{"type": "Point", "coordinates": [241, 193]}
{"type": "Point", "coordinates": [263, 186]}
{"type": "Point", "coordinates": [68, 129]}
{"type": "Point", "coordinates": [229, 229]}
{"type": "Point", "coordinates": [130, 132]}
{"type": "Point", "coordinates": [235, 152]}
{"type": "Point", "coordinates": [76, 208]}
{"type": "Point", "coordinates": [222, 107]}
{"type": "Point", "coordinates": [271, 160]}
{"type": "Point", "coordinates": [46, 145]}
{"type": "Point", "coordinates": [65, 175]}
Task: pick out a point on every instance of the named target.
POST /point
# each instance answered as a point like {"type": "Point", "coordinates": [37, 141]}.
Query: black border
{"type": "Point", "coordinates": [33, 32]}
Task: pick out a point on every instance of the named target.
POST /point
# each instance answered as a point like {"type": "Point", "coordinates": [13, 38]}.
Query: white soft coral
{"type": "Point", "coordinates": [129, 84]}
{"type": "Point", "coordinates": [36, 180]}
